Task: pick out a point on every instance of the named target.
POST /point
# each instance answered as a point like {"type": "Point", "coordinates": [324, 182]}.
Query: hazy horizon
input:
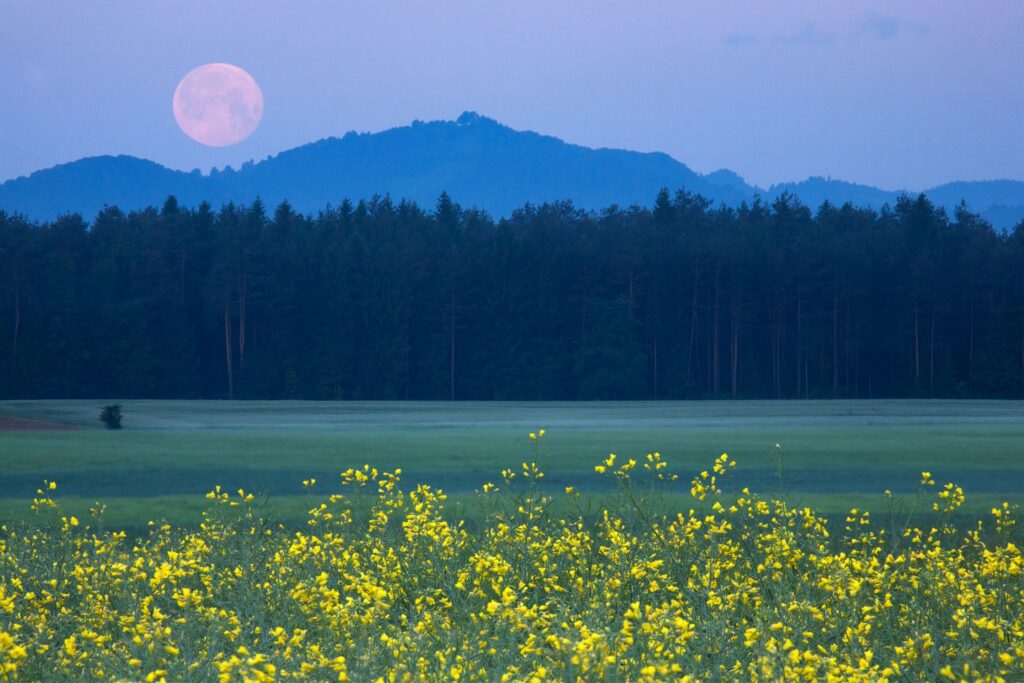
{"type": "Point", "coordinates": [903, 97]}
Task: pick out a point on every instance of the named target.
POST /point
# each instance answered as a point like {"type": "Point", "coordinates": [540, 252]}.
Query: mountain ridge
{"type": "Point", "coordinates": [477, 160]}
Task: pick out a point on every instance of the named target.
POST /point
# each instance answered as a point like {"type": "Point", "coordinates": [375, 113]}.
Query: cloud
{"type": "Point", "coordinates": [810, 34]}
{"type": "Point", "coordinates": [736, 39]}
{"type": "Point", "coordinates": [887, 26]}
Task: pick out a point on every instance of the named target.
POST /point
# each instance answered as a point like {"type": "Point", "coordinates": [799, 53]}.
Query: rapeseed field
{"type": "Point", "coordinates": [383, 583]}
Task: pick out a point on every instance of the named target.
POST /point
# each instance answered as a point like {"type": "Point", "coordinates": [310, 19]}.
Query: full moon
{"type": "Point", "coordinates": [218, 104]}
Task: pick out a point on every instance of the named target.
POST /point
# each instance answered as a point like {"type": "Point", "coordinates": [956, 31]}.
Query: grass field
{"type": "Point", "coordinates": [836, 454]}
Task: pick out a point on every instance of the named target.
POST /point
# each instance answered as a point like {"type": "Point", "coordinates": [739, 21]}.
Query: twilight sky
{"type": "Point", "coordinates": [896, 94]}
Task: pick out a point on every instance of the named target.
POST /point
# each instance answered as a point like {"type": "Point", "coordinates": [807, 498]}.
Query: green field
{"type": "Point", "coordinates": [836, 454]}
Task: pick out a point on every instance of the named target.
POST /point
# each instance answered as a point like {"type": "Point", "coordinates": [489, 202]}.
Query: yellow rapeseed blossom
{"type": "Point", "coordinates": [384, 583]}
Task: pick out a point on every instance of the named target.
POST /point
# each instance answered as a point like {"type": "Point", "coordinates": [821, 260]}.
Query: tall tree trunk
{"type": "Point", "coordinates": [931, 358]}
{"type": "Point", "coordinates": [655, 367]}
{"type": "Point", "coordinates": [835, 337]}
{"type": "Point", "coordinates": [775, 344]}
{"type": "Point", "coordinates": [451, 327]}
{"type": "Point", "coordinates": [917, 352]}
{"type": "Point", "coordinates": [715, 351]}
{"type": "Point", "coordinates": [693, 328]}
{"type": "Point", "coordinates": [970, 349]}
{"type": "Point", "coordinates": [242, 289]}
{"type": "Point", "coordinates": [856, 356]}
{"type": "Point", "coordinates": [227, 350]}
{"type": "Point", "coordinates": [734, 350]}
{"type": "Point", "coordinates": [780, 352]}
{"type": "Point", "coordinates": [846, 353]}
{"type": "Point", "coordinates": [708, 353]}
{"type": "Point", "coordinates": [799, 334]}
{"type": "Point", "coordinates": [17, 330]}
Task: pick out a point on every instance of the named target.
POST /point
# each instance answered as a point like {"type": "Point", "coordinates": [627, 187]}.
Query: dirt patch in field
{"type": "Point", "coordinates": [17, 424]}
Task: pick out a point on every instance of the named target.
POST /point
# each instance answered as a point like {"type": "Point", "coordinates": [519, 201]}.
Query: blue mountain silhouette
{"type": "Point", "coordinates": [478, 161]}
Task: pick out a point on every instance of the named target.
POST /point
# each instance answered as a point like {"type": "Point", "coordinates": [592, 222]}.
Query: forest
{"type": "Point", "coordinates": [387, 300]}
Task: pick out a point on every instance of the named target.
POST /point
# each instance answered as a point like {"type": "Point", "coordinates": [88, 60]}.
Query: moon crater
{"type": "Point", "coordinates": [218, 104]}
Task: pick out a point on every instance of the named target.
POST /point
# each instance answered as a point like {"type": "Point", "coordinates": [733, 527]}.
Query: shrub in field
{"type": "Point", "coordinates": [384, 584]}
{"type": "Point", "coordinates": [111, 416]}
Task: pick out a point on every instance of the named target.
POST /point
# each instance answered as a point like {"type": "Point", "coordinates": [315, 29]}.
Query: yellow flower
{"type": "Point", "coordinates": [627, 585]}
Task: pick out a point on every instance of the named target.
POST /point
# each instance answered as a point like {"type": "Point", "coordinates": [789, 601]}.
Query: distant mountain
{"type": "Point", "coordinates": [478, 161]}
{"type": "Point", "coordinates": [1001, 202]}
{"type": "Point", "coordinates": [815, 190]}
{"type": "Point", "coordinates": [86, 185]}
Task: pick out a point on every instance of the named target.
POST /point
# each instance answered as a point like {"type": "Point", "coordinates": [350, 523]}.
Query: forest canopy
{"type": "Point", "coordinates": [386, 300]}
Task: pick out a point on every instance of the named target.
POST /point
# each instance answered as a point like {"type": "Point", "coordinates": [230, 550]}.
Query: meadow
{"type": "Point", "coordinates": [835, 542]}
{"type": "Point", "coordinates": [381, 584]}
{"type": "Point", "coordinates": [834, 454]}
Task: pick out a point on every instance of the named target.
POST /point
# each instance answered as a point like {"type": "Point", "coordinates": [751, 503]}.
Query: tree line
{"type": "Point", "coordinates": [386, 300]}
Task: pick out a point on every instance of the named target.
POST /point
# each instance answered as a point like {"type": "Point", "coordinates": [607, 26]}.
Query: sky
{"type": "Point", "coordinates": [901, 95]}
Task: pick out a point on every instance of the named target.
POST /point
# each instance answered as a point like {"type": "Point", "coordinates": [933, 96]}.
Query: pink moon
{"type": "Point", "coordinates": [218, 104]}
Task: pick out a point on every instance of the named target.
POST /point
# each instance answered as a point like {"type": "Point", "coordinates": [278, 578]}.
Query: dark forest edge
{"type": "Point", "coordinates": [384, 300]}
